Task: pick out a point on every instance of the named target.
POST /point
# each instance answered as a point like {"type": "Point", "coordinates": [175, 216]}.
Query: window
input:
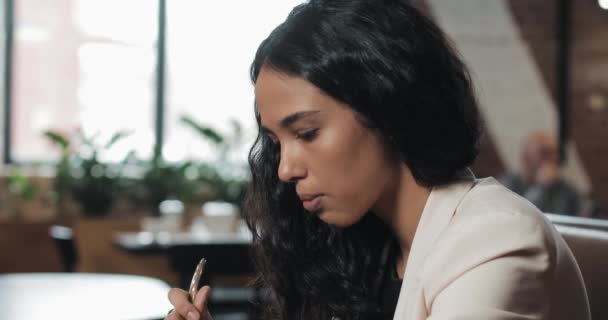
{"type": "Point", "coordinates": [210, 46]}
{"type": "Point", "coordinates": [91, 65]}
{"type": "Point", "coordinates": [82, 65]}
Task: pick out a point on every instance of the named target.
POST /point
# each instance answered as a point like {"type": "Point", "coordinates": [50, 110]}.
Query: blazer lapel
{"type": "Point", "coordinates": [438, 211]}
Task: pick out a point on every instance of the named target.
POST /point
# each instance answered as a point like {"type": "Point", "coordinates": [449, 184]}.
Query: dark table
{"type": "Point", "coordinates": [78, 296]}
{"type": "Point", "coordinates": [157, 242]}
{"type": "Point", "coordinates": [228, 256]}
{"type": "Point", "coordinates": [226, 253]}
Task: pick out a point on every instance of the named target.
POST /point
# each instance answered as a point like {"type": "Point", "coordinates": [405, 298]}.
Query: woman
{"type": "Point", "coordinates": [362, 205]}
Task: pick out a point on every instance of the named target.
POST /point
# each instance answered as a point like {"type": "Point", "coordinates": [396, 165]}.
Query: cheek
{"type": "Point", "coordinates": [353, 169]}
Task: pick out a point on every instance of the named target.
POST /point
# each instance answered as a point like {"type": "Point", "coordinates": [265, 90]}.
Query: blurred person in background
{"type": "Point", "coordinates": [540, 180]}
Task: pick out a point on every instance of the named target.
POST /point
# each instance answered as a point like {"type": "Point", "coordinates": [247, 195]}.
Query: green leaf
{"type": "Point", "coordinates": [58, 138]}
{"type": "Point", "coordinates": [20, 186]}
{"type": "Point", "coordinates": [205, 131]}
{"type": "Point", "coordinates": [89, 141]}
{"type": "Point", "coordinates": [116, 137]}
{"type": "Point", "coordinates": [237, 128]}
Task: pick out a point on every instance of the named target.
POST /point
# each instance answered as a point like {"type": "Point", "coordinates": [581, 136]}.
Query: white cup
{"type": "Point", "coordinates": [161, 224]}
{"type": "Point", "coordinates": [220, 217]}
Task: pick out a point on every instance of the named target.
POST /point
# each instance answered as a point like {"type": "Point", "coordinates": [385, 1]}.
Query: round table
{"type": "Point", "coordinates": [79, 296]}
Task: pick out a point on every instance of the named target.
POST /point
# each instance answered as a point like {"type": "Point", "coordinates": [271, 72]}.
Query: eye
{"type": "Point", "coordinates": [307, 135]}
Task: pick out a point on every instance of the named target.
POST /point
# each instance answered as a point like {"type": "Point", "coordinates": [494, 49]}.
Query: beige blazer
{"type": "Point", "coordinates": [481, 252]}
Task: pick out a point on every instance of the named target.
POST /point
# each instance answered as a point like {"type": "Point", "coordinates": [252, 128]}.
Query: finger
{"type": "Point", "coordinates": [201, 298]}
{"type": "Point", "coordinates": [183, 307]}
{"type": "Point", "coordinates": [173, 315]}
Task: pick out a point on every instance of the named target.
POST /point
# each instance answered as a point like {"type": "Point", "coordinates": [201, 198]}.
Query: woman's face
{"type": "Point", "coordinates": [340, 167]}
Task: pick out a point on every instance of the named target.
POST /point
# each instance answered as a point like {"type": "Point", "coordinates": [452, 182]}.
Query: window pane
{"type": "Point", "coordinates": [210, 46]}
{"type": "Point", "coordinates": [83, 65]}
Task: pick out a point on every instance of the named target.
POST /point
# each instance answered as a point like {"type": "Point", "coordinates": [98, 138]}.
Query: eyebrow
{"type": "Point", "coordinates": [293, 118]}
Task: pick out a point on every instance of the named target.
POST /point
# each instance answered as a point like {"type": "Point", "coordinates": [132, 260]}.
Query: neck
{"type": "Point", "coordinates": [401, 206]}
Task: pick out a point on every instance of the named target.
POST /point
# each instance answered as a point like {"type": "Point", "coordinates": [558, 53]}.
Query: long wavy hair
{"type": "Point", "coordinates": [401, 77]}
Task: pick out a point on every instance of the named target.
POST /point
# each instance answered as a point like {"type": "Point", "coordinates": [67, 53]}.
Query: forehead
{"type": "Point", "coordinates": [278, 95]}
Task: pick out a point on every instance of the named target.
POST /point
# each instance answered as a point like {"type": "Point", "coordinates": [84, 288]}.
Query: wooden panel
{"type": "Point", "coordinates": [27, 247]}
{"type": "Point", "coordinates": [96, 253]}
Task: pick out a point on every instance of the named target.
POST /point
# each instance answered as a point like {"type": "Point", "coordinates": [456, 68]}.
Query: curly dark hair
{"type": "Point", "coordinates": [401, 77]}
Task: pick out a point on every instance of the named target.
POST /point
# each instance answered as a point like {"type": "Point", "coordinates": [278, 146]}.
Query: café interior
{"type": "Point", "coordinates": [125, 128]}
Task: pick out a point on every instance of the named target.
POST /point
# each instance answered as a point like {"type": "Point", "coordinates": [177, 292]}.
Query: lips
{"type": "Point", "coordinates": [312, 203]}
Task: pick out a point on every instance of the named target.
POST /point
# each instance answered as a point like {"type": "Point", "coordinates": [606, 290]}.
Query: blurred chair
{"type": "Point", "coordinates": [228, 269]}
{"type": "Point", "coordinates": [590, 247]}
{"type": "Point", "coordinates": [581, 222]}
{"type": "Point", "coordinates": [64, 241]}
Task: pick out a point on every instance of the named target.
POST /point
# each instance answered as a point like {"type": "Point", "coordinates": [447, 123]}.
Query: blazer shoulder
{"type": "Point", "coordinates": [490, 222]}
{"type": "Point", "coordinates": [488, 196]}
{"type": "Point", "coordinates": [491, 206]}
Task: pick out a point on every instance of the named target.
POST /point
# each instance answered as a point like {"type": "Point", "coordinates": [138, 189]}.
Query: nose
{"type": "Point", "coordinates": [291, 168]}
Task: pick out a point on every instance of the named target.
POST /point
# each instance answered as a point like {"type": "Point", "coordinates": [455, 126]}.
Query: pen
{"type": "Point", "coordinates": [196, 278]}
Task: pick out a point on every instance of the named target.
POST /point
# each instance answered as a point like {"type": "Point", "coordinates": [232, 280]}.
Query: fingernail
{"type": "Point", "coordinates": [191, 316]}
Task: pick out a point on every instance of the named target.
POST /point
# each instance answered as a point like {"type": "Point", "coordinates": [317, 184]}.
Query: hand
{"type": "Point", "coordinates": [184, 310]}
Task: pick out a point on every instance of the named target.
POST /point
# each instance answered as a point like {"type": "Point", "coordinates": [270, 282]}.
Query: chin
{"type": "Point", "coordinates": [339, 219]}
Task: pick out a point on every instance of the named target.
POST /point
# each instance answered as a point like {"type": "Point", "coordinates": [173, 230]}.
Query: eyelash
{"type": "Point", "coordinates": [307, 135]}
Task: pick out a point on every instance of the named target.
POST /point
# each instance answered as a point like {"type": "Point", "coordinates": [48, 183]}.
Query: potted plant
{"type": "Point", "coordinates": [161, 180]}
{"type": "Point", "coordinates": [225, 177]}
{"type": "Point", "coordinates": [21, 191]}
{"type": "Point", "coordinates": [81, 173]}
